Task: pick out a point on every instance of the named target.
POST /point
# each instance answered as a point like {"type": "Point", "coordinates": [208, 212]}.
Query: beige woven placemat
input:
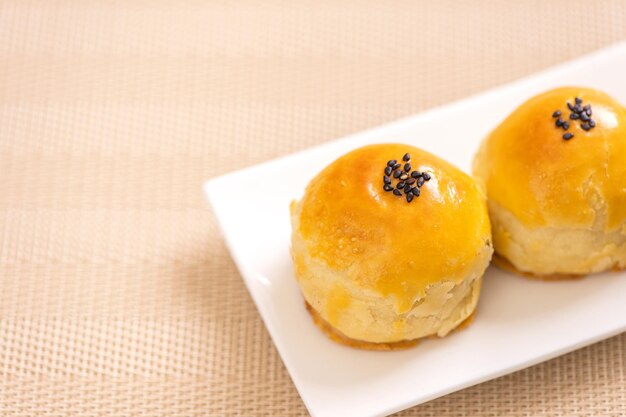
{"type": "Point", "coordinates": [117, 295]}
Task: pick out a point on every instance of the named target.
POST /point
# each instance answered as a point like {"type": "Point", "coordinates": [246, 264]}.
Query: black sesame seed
{"type": "Point", "coordinates": [396, 166]}
{"type": "Point", "coordinates": [397, 173]}
{"type": "Point", "coordinates": [426, 176]}
{"type": "Point", "coordinates": [565, 125]}
{"type": "Point", "coordinates": [416, 174]}
{"type": "Point", "coordinates": [409, 197]}
{"type": "Point", "coordinates": [559, 122]}
{"type": "Point", "coordinates": [415, 191]}
{"type": "Point", "coordinates": [569, 106]}
{"type": "Point", "coordinates": [407, 167]}
{"type": "Point", "coordinates": [585, 127]}
{"type": "Point", "coordinates": [406, 157]}
{"type": "Point", "coordinates": [592, 123]}
{"type": "Point", "coordinates": [420, 181]}
{"type": "Point", "coordinates": [574, 116]}
{"type": "Point", "coordinates": [391, 162]}
{"type": "Point", "coordinates": [584, 117]}
{"type": "Point", "coordinates": [400, 185]}
{"type": "Point", "coordinates": [568, 136]}
{"type": "Point", "coordinates": [387, 187]}
{"type": "Point", "coordinates": [556, 113]}
{"type": "Point", "coordinates": [386, 180]}
{"type": "Point", "coordinates": [388, 171]}
{"type": "Point", "coordinates": [397, 192]}
{"type": "Point", "coordinates": [578, 101]}
{"type": "Point", "coordinates": [407, 189]}
{"type": "Point", "coordinates": [404, 177]}
{"type": "Point", "coordinates": [410, 181]}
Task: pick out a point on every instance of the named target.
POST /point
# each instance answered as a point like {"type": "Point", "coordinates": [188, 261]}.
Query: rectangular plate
{"type": "Point", "coordinates": [520, 322]}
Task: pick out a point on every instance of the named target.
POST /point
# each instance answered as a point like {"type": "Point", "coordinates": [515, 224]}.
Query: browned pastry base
{"type": "Point", "coordinates": [503, 263]}
{"type": "Point", "coordinates": [341, 338]}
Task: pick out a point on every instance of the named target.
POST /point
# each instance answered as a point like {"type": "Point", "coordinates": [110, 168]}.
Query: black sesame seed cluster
{"type": "Point", "coordinates": [577, 112]}
{"type": "Point", "coordinates": [408, 181]}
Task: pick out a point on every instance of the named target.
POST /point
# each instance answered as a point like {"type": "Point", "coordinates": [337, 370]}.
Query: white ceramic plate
{"type": "Point", "coordinates": [520, 322]}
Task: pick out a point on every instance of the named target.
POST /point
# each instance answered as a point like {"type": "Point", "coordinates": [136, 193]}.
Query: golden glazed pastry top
{"type": "Point", "coordinates": [384, 243]}
{"type": "Point", "coordinates": [546, 180]}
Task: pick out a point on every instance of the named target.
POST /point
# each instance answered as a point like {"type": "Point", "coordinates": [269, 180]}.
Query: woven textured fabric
{"type": "Point", "coordinates": [117, 294]}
